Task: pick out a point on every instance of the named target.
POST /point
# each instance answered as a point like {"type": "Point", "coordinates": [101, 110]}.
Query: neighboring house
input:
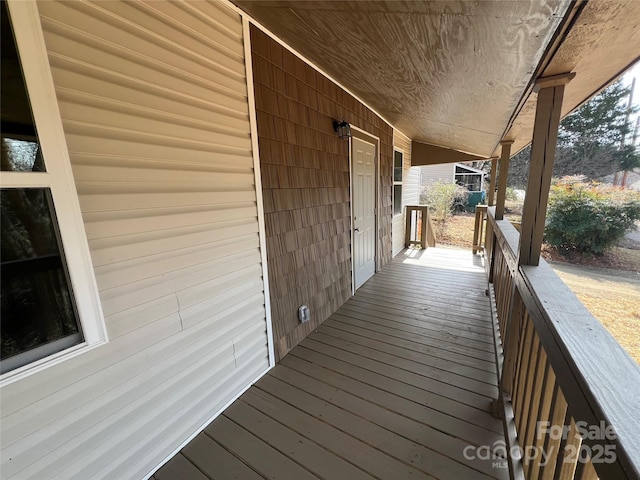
{"type": "Point", "coordinates": [471, 178]}
{"type": "Point", "coordinates": [173, 190]}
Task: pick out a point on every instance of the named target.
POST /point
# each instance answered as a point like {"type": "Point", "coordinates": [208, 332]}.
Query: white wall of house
{"type": "Point", "coordinates": [410, 189]}
{"type": "Point", "coordinates": [153, 98]}
{"type": "Point", "coordinates": [444, 172]}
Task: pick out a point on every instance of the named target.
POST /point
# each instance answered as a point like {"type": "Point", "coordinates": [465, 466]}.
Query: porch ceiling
{"type": "Point", "coordinates": [446, 73]}
{"type": "Point", "coordinates": [459, 73]}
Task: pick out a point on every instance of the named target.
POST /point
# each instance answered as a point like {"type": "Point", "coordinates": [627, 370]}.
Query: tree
{"type": "Point", "coordinates": [589, 140]}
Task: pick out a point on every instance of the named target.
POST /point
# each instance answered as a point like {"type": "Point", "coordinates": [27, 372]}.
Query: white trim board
{"type": "Point", "coordinates": [36, 69]}
{"type": "Point", "coordinates": [258, 186]}
{"type": "Point", "coordinates": [366, 136]}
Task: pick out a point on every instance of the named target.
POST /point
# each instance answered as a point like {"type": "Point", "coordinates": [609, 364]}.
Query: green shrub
{"type": "Point", "coordinates": [511, 194]}
{"type": "Point", "coordinates": [587, 217]}
{"type": "Point", "coordinates": [443, 198]}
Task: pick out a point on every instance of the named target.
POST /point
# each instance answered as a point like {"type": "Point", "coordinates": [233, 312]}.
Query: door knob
{"type": "Point", "coordinates": [357, 229]}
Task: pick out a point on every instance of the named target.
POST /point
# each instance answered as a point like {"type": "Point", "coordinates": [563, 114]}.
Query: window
{"type": "Point", "coordinates": [49, 301]}
{"type": "Point", "coordinates": [398, 157]}
{"type": "Point", "coordinates": [471, 180]}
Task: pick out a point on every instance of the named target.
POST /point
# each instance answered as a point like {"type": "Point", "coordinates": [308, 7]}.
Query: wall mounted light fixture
{"type": "Point", "coordinates": [343, 129]}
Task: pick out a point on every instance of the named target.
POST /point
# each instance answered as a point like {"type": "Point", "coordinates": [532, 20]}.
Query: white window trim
{"type": "Point", "coordinates": [401, 183]}
{"type": "Point", "coordinates": [59, 178]}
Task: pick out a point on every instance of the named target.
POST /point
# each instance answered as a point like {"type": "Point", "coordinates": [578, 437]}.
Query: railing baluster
{"type": "Point", "coordinates": [547, 398]}
{"type": "Point", "coordinates": [523, 411]}
{"type": "Point", "coordinates": [553, 442]}
{"type": "Point", "coordinates": [523, 371]}
{"type": "Point", "coordinates": [569, 452]}
{"type": "Point", "coordinates": [588, 472]}
{"type": "Point", "coordinates": [534, 398]}
{"type": "Point", "coordinates": [511, 341]}
{"type": "Point", "coordinates": [542, 417]}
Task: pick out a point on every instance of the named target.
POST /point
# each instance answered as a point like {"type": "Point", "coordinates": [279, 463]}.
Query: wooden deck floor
{"type": "Point", "coordinates": [394, 385]}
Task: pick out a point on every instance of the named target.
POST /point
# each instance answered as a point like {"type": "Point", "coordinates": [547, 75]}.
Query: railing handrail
{"type": "Point", "coordinates": [601, 382]}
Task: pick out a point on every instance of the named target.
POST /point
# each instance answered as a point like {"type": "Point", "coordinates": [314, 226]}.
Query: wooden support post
{"type": "Point", "coordinates": [492, 185]}
{"type": "Point", "coordinates": [543, 149]}
{"type": "Point", "coordinates": [481, 214]}
{"type": "Point", "coordinates": [502, 179]}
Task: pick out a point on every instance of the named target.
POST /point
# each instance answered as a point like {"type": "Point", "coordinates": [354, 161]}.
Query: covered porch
{"type": "Point", "coordinates": [398, 383]}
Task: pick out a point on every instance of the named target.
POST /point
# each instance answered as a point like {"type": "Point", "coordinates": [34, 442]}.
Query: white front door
{"type": "Point", "coordinates": [363, 156]}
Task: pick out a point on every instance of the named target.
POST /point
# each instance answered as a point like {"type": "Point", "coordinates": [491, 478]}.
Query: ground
{"type": "Point", "coordinates": [608, 285]}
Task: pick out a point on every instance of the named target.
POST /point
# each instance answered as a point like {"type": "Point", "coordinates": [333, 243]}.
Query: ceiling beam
{"type": "Point", "coordinates": [427, 154]}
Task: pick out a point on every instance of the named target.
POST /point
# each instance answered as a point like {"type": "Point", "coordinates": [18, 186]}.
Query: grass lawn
{"type": "Point", "coordinates": [608, 285]}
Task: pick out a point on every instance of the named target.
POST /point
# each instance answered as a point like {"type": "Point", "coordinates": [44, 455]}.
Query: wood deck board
{"type": "Point", "coordinates": [410, 341]}
{"type": "Point", "coordinates": [401, 313]}
{"type": "Point", "coordinates": [394, 385]}
{"type": "Point", "coordinates": [405, 350]}
{"type": "Point", "coordinates": [436, 323]}
{"type": "Point", "coordinates": [215, 461]}
{"type": "Point", "coordinates": [397, 388]}
{"type": "Point", "coordinates": [409, 333]}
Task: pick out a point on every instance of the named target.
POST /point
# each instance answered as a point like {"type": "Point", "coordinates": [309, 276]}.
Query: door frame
{"type": "Point", "coordinates": [367, 137]}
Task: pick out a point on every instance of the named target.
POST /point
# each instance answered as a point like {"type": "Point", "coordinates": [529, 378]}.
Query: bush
{"type": "Point", "coordinates": [511, 194]}
{"type": "Point", "coordinates": [587, 217]}
{"type": "Point", "coordinates": [443, 198]}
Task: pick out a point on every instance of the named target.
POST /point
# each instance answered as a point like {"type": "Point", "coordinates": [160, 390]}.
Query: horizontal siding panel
{"type": "Point", "coordinates": [124, 149]}
{"type": "Point", "coordinates": [137, 317]}
{"type": "Point", "coordinates": [151, 175]}
{"type": "Point", "coordinates": [153, 99]}
{"type": "Point", "coordinates": [165, 126]}
{"type": "Point", "coordinates": [437, 173]}
{"type": "Point", "coordinates": [33, 388]}
{"type": "Point", "coordinates": [201, 23]}
{"type": "Point", "coordinates": [197, 293]}
{"type": "Point", "coordinates": [181, 38]}
{"type": "Point", "coordinates": [103, 224]}
{"type": "Point", "coordinates": [132, 201]}
{"type": "Point", "coordinates": [120, 60]}
{"type": "Point", "coordinates": [85, 22]}
{"type": "Point", "coordinates": [232, 165]}
{"type": "Point", "coordinates": [108, 251]}
{"type": "Point", "coordinates": [131, 294]}
{"type": "Point", "coordinates": [126, 91]}
{"type": "Point", "coordinates": [90, 129]}
{"type": "Point", "coordinates": [222, 302]}
{"type": "Point", "coordinates": [129, 462]}
{"type": "Point", "coordinates": [170, 373]}
{"type": "Point", "coordinates": [205, 395]}
{"type": "Point", "coordinates": [163, 356]}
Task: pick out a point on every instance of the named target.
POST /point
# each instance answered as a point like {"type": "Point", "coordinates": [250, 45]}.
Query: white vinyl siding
{"type": "Point", "coordinates": [153, 98]}
{"type": "Point", "coordinates": [443, 172]}
{"type": "Point", "coordinates": [410, 189]}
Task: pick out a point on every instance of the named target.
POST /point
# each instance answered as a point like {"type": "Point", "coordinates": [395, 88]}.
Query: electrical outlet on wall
{"type": "Point", "coordinates": [304, 315]}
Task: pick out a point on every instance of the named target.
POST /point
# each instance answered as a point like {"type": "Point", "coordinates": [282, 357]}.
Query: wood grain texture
{"type": "Point", "coordinates": [340, 405]}
{"type": "Point", "coordinates": [446, 73]}
{"type": "Point", "coordinates": [305, 182]}
{"type": "Point", "coordinates": [599, 47]}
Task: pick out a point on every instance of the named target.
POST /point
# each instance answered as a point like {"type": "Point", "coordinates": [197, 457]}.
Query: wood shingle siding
{"type": "Point", "coordinates": [305, 181]}
{"type": "Point", "coordinates": [153, 98]}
